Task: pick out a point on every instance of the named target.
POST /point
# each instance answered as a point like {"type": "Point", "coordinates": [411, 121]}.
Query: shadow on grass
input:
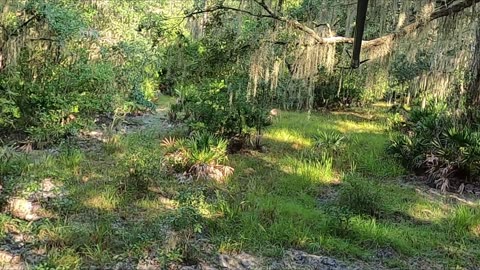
{"type": "Point", "coordinates": [122, 207]}
{"type": "Point", "coordinates": [280, 201]}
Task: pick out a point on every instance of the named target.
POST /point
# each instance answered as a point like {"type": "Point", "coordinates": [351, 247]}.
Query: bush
{"type": "Point", "coordinates": [215, 109]}
{"type": "Point", "coordinates": [59, 100]}
{"type": "Point", "coordinates": [58, 75]}
{"type": "Point", "coordinates": [435, 145]}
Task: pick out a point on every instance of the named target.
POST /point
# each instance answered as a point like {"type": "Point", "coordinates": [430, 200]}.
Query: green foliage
{"type": "Point", "coordinates": [200, 148]}
{"type": "Point", "coordinates": [403, 70]}
{"type": "Point", "coordinates": [64, 19]}
{"type": "Point", "coordinates": [63, 74]}
{"type": "Point", "coordinates": [214, 108]}
{"type": "Point", "coordinates": [329, 141]}
{"type": "Point", "coordinates": [7, 155]}
{"type": "Point", "coordinates": [361, 197]}
{"type": "Point", "coordinates": [207, 149]}
{"type": "Point", "coordinates": [463, 221]}
{"type": "Point", "coordinates": [187, 218]}
{"type": "Point", "coordinates": [61, 98]}
{"type": "Point", "coordinates": [435, 144]}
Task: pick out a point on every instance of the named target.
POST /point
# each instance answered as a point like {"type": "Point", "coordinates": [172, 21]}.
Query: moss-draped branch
{"type": "Point", "coordinates": [446, 10]}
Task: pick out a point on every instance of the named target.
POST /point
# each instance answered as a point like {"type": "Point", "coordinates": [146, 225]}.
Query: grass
{"type": "Point", "coordinates": [120, 204]}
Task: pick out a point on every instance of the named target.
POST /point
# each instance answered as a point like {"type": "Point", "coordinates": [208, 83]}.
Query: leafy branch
{"type": "Point", "coordinates": [448, 9]}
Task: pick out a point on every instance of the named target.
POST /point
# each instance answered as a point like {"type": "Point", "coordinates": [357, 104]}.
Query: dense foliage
{"type": "Point", "coordinates": [188, 134]}
{"type": "Point", "coordinates": [432, 143]}
{"type": "Point", "coordinates": [59, 68]}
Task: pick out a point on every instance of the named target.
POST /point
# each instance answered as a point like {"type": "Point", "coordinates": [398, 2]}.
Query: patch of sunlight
{"type": "Point", "coordinates": [161, 204]}
{"type": "Point", "coordinates": [204, 209]}
{"type": "Point", "coordinates": [427, 212]}
{"type": "Point", "coordinates": [315, 172]}
{"type": "Point", "coordinates": [106, 200]}
{"type": "Point", "coordinates": [364, 116]}
{"type": "Point", "coordinates": [288, 136]}
{"type": "Point", "coordinates": [476, 230]}
{"type": "Point", "coordinates": [347, 126]}
{"type": "Point", "coordinates": [381, 105]}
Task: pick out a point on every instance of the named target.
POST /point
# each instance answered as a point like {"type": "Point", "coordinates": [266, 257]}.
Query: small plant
{"type": "Point", "coordinates": [113, 144]}
{"type": "Point", "coordinates": [361, 197]}
{"type": "Point", "coordinates": [207, 149]}
{"type": "Point", "coordinates": [7, 155]}
{"type": "Point", "coordinates": [201, 155]}
{"type": "Point", "coordinates": [329, 141]}
{"type": "Point", "coordinates": [169, 143]}
{"type": "Point", "coordinates": [71, 157]}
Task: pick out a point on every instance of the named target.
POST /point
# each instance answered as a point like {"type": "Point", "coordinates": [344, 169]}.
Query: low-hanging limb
{"type": "Point", "coordinates": [444, 11]}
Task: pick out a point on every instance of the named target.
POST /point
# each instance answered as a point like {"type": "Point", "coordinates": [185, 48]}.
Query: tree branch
{"type": "Point", "coordinates": [222, 7]}
{"type": "Point", "coordinates": [442, 12]}
{"type": "Point", "coordinates": [24, 24]}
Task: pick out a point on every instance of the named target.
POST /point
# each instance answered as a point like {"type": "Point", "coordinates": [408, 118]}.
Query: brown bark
{"type": "Point", "coordinates": [359, 30]}
{"type": "Point", "coordinates": [473, 94]}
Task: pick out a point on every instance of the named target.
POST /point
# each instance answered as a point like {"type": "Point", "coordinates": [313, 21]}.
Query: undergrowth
{"type": "Point", "coordinates": [336, 194]}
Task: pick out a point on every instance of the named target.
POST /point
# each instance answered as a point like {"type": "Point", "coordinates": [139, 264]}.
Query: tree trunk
{"type": "Point", "coordinates": [473, 94]}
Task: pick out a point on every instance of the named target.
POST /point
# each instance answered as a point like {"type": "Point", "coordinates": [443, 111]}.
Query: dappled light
{"type": "Point", "coordinates": [243, 135]}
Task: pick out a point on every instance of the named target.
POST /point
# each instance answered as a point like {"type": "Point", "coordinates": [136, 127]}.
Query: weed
{"type": "Point", "coordinates": [361, 197]}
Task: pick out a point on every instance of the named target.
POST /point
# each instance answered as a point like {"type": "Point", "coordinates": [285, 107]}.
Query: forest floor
{"type": "Point", "coordinates": [105, 200]}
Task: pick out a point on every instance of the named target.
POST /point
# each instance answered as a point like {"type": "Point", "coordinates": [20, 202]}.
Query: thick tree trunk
{"type": "Point", "coordinates": [473, 94]}
{"type": "Point", "coordinates": [362, 7]}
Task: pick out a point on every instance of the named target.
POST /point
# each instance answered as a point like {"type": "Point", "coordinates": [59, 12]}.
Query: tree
{"type": "Point", "coordinates": [473, 96]}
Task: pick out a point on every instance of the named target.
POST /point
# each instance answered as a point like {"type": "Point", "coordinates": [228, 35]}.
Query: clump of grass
{"type": "Point", "coordinates": [113, 144]}
{"type": "Point", "coordinates": [71, 157]}
{"type": "Point", "coordinates": [11, 162]}
{"type": "Point", "coordinates": [61, 259]}
{"type": "Point", "coordinates": [201, 155]}
{"type": "Point", "coordinates": [332, 141]}
{"type": "Point", "coordinates": [361, 196]}
{"type": "Point", "coordinates": [463, 220]}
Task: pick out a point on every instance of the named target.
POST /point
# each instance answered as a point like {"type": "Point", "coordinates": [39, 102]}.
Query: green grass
{"type": "Point", "coordinates": [120, 203]}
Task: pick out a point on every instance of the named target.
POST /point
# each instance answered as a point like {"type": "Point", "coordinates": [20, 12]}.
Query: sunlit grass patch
{"type": "Point", "coordinates": [314, 172]}
{"type": "Point", "coordinates": [157, 205]}
{"type": "Point", "coordinates": [428, 212]}
{"type": "Point", "coordinates": [106, 199]}
{"type": "Point", "coordinates": [287, 135]}
{"type": "Point", "coordinates": [336, 194]}
{"type": "Point", "coordinates": [462, 221]}
{"type": "Point", "coordinates": [350, 126]}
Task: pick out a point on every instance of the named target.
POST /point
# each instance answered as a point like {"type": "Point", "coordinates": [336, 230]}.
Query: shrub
{"type": "Point", "coordinates": [435, 145]}
{"type": "Point", "coordinates": [215, 109]}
